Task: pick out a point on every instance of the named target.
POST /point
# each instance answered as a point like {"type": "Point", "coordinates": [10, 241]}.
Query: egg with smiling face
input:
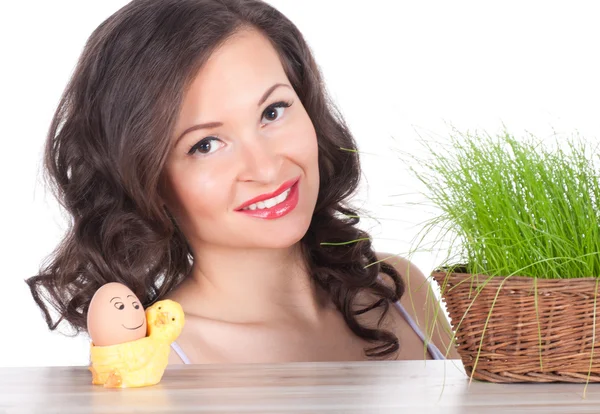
{"type": "Point", "coordinates": [115, 316]}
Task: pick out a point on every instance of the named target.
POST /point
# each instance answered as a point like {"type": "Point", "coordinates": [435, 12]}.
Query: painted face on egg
{"type": "Point", "coordinates": [115, 316]}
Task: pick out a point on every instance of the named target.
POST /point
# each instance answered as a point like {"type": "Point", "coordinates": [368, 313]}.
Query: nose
{"type": "Point", "coordinates": [260, 160]}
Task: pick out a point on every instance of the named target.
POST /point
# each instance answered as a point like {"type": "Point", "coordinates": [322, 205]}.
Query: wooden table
{"type": "Point", "coordinates": [358, 387]}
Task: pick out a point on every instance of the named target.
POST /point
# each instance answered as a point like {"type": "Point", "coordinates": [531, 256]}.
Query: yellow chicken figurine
{"type": "Point", "coordinates": [115, 319]}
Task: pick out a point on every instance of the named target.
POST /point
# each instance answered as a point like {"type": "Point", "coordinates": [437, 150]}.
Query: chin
{"type": "Point", "coordinates": [282, 238]}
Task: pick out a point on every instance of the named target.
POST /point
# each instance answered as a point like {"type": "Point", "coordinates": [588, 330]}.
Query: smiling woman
{"type": "Point", "coordinates": [201, 160]}
{"type": "Point", "coordinates": [256, 154]}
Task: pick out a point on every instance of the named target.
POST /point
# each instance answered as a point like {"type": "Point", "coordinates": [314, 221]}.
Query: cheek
{"type": "Point", "coordinates": [202, 190]}
{"type": "Point", "coordinates": [301, 141]}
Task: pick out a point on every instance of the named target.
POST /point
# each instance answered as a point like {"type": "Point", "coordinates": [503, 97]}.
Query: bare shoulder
{"type": "Point", "coordinates": [421, 303]}
{"type": "Point", "coordinates": [410, 273]}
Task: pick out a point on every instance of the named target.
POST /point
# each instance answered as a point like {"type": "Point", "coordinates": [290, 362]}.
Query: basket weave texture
{"type": "Point", "coordinates": [522, 342]}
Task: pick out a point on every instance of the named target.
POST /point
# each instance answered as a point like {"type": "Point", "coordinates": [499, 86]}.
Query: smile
{"type": "Point", "coordinates": [275, 207]}
{"type": "Point", "coordinates": [133, 329]}
{"type": "Point", "coordinates": [271, 202]}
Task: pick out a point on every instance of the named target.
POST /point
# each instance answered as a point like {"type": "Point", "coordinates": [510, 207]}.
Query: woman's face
{"type": "Point", "coordinates": [254, 144]}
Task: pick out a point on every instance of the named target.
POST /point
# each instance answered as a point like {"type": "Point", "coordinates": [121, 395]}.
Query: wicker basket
{"type": "Point", "coordinates": [511, 350]}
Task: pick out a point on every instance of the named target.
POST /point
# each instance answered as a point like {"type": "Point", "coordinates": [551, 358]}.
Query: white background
{"type": "Point", "coordinates": [396, 69]}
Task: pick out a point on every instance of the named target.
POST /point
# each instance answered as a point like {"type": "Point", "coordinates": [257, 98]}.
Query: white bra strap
{"type": "Point", "coordinates": [180, 352]}
{"type": "Point", "coordinates": [433, 350]}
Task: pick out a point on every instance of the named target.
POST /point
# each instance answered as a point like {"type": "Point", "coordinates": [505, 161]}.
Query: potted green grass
{"type": "Point", "coordinates": [522, 289]}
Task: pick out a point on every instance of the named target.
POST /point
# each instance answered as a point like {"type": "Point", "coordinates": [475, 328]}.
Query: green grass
{"type": "Point", "coordinates": [511, 207]}
{"type": "Point", "coordinates": [516, 204]}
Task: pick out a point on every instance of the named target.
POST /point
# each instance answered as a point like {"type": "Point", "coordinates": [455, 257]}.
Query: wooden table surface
{"type": "Point", "coordinates": [357, 387]}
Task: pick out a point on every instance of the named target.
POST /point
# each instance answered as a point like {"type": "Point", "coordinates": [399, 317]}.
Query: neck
{"type": "Point", "coordinates": [253, 285]}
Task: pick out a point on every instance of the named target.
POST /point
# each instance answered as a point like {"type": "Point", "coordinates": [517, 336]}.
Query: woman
{"type": "Point", "coordinates": [201, 160]}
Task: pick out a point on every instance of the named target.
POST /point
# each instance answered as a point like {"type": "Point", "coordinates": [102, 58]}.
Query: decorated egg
{"type": "Point", "coordinates": [115, 316]}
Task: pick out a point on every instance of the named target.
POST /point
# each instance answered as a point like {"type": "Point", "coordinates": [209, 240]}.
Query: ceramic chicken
{"type": "Point", "coordinates": [140, 362]}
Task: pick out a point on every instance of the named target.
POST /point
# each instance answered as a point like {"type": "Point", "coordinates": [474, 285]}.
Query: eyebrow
{"type": "Point", "coordinates": [116, 297]}
{"type": "Point", "coordinates": [131, 296]}
{"type": "Point", "coordinates": [218, 124]}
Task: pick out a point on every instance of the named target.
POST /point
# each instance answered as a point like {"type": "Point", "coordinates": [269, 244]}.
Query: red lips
{"type": "Point", "coordinates": [275, 193]}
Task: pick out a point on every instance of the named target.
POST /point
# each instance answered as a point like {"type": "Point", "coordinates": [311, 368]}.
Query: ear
{"type": "Point", "coordinates": [163, 197]}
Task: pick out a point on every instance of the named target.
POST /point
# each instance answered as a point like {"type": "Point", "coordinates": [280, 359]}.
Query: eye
{"type": "Point", "coordinates": [135, 305]}
{"type": "Point", "coordinates": [204, 146]}
{"type": "Point", "coordinates": [272, 113]}
{"type": "Point", "coordinates": [275, 111]}
{"type": "Point", "coordinates": [119, 305]}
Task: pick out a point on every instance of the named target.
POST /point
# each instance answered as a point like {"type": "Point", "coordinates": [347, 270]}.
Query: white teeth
{"type": "Point", "coordinates": [270, 202]}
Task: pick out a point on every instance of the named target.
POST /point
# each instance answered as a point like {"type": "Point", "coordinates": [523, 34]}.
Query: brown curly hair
{"type": "Point", "coordinates": [106, 149]}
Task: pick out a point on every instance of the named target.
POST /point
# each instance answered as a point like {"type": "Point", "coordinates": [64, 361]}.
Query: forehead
{"type": "Point", "coordinates": [237, 73]}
